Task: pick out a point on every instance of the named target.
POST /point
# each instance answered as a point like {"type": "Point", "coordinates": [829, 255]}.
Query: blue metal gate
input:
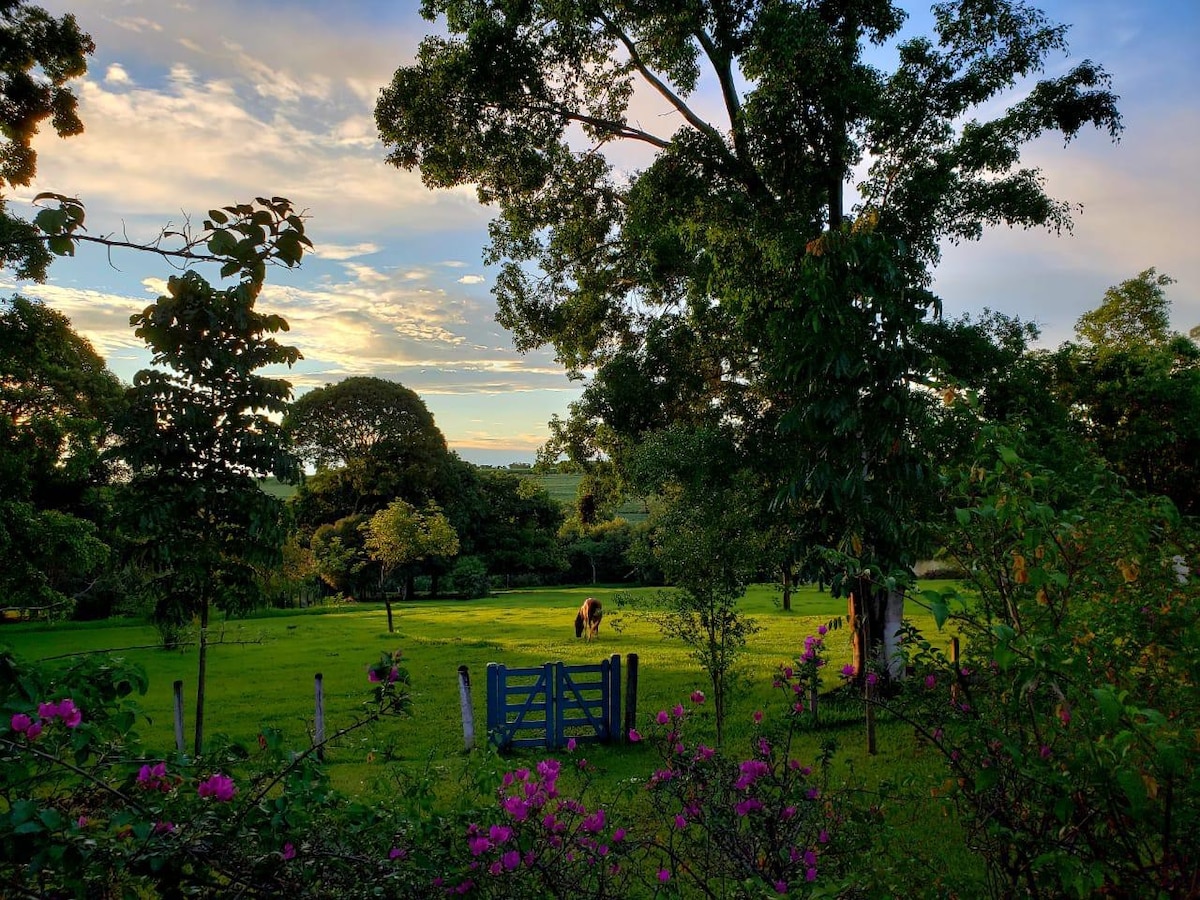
{"type": "Point", "coordinates": [550, 704]}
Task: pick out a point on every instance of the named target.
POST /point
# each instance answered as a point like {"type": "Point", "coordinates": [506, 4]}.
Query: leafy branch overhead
{"type": "Point", "coordinates": [244, 238]}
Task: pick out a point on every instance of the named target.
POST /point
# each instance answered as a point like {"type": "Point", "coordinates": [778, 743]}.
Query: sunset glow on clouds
{"type": "Point", "coordinates": [189, 107]}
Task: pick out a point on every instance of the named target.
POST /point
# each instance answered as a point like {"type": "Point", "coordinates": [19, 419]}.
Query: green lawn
{"type": "Point", "coordinates": [262, 675]}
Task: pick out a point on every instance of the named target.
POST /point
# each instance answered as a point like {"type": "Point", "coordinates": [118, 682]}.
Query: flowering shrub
{"type": "Point", "coordinates": [1069, 726]}
{"type": "Point", "coordinates": [763, 825]}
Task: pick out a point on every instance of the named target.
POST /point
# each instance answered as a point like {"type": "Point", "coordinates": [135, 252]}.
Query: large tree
{"type": "Point", "coordinates": [371, 440]}
{"type": "Point", "coordinates": [58, 402]}
{"type": "Point", "coordinates": [734, 240]}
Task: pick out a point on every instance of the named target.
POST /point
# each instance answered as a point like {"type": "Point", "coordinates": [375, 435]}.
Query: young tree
{"type": "Point", "coordinates": [200, 430]}
{"type": "Point", "coordinates": [400, 536]}
{"type": "Point", "coordinates": [727, 273]}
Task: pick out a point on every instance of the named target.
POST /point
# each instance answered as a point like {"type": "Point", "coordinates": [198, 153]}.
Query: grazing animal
{"type": "Point", "coordinates": [588, 618]}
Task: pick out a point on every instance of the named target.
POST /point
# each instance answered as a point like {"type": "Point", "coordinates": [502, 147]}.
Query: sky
{"type": "Point", "coordinates": [189, 106]}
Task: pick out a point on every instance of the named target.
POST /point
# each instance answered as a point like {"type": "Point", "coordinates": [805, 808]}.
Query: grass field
{"type": "Point", "coordinates": [262, 675]}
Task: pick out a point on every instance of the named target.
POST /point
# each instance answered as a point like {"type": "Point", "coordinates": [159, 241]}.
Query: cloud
{"type": "Point", "coordinates": [116, 74]}
{"type": "Point", "coordinates": [471, 279]}
{"type": "Point", "coordinates": [345, 251]}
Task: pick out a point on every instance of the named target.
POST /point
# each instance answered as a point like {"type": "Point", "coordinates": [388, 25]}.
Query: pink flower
{"type": "Point", "coordinates": [593, 823]}
{"type": "Point", "coordinates": [34, 729]}
{"type": "Point", "coordinates": [634, 737]}
{"type": "Point", "coordinates": [219, 787]}
{"type": "Point", "coordinates": [680, 822]}
{"type": "Point", "coordinates": [749, 805]}
{"type": "Point", "coordinates": [663, 876]}
{"type": "Point", "coordinates": [781, 887]}
{"type": "Point", "coordinates": [930, 682]}
{"type": "Point", "coordinates": [704, 753]}
{"type": "Point", "coordinates": [289, 851]}
{"type": "Point", "coordinates": [81, 822]}
{"type": "Point", "coordinates": [397, 853]}
{"type": "Point", "coordinates": [48, 710]}
{"type": "Point", "coordinates": [697, 697]}
{"type": "Point", "coordinates": [757, 716]}
{"type": "Point", "coordinates": [822, 630]}
{"type": "Point", "coordinates": [618, 835]}
{"type": "Point", "coordinates": [810, 875]}
{"type": "Point", "coordinates": [71, 715]}
{"type": "Point", "coordinates": [872, 679]}
{"type": "Point", "coordinates": [511, 859]}
{"type": "Point", "coordinates": [571, 745]}
{"type": "Point", "coordinates": [164, 827]}
{"type": "Point", "coordinates": [677, 711]}
{"type": "Point", "coordinates": [373, 676]}
{"type": "Point", "coordinates": [823, 837]}
{"type": "Point", "coordinates": [662, 718]}
{"type": "Point", "coordinates": [21, 723]}
{"type": "Point", "coordinates": [499, 834]}
{"type": "Point", "coordinates": [517, 808]}
{"type": "Point", "coordinates": [1044, 752]}
{"type": "Point", "coordinates": [848, 670]}
{"type": "Point", "coordinates": [1064, 715]}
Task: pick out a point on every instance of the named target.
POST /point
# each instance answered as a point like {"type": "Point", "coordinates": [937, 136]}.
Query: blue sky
{"type": "Point", "coordinates": [189, 106]}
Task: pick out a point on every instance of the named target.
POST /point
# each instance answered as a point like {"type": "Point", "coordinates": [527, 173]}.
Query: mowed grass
{"type": "Point", "coordinates": [262, 669]}
{"type": "Point", "coordinates": [261, 675]}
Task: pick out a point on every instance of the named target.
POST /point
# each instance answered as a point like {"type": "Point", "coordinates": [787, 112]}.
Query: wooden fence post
{"type": "Point", "coordinates": [179, 745]}
{"type": "Point", "coordinates": [319, 716]}
{"type": "Point", "coordinates": [954, 691]}
{"type": "Point", "coordinates": [631, 677]}
{"type": "Point", "coordinates": [613, 690]}
{"type": "Point", "coordinates": [468, 710]}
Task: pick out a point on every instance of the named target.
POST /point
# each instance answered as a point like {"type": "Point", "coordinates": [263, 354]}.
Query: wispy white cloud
{"type": "Point", "coordinates": [471, 279]}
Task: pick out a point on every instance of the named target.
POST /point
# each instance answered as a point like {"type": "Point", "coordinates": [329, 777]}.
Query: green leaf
{"type": "Point", "coordinates": [217, 216]}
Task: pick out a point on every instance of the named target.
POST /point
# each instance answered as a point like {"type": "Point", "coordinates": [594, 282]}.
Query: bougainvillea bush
{"type": "Point", "coordinates": [1070, 726]}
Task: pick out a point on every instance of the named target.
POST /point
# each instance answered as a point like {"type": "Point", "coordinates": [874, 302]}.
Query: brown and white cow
{"type": "Point", "coordinates": [588, 618]}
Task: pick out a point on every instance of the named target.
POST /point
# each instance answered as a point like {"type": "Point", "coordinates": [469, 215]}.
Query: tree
{"type": "Point", "coordinates": [1133, 390]}
{"type": "Point", "coordinates": [200, 430]}
{"type": "Point", "coordinates": [734, 240]}
{"type": "Point", "coordinates": [1135, 313]}
{"type": "Point", "coordinates": [39, 55]}
{"type": "Point", "coordinates": [400, 536]}
{"type": "Point", "coordinates": [57, 405]}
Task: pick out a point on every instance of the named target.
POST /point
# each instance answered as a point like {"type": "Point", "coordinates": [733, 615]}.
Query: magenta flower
{"type": "Point", "coordinates": [164, 827]}
{"type": "Point", "coordinates": [289, 851]}
{"type": "Point", "coordinates": [499, 834]}
{"type": "Point", "coordinates": [21, 722]}
{"type": "Point", "coordinates": [848, 670]}
{"type": "Point", "coordinates": [781, 887]}
{"type": "Point", "coordinates": [697, 697]}
{"type": "Point", "coordinates": [571, 745]}
{"type": "Point", "coordinates": [81, 822]}
{"type": "Point", "coordinates": [397, 853]}
{"type": "Point", "coordinates": [219, 787]}
{"type": "Point", "coordinates": [810, 875]}
{"type": "Point", "coordinates": [704, 752]}
{"type": "Point", "coordinates": [618, 835]}
{"type": "Point", "coordinates": [517, 808]}
{"type": "Point", "coordinates": [678, 710]}
{"type": "Point", "coordinates": [1044, 752]}
{"type": "Point", "coordinates": [663, 876]}
{"type": "Point", "coordinates": [373, 676]}
{"type": "Point", "coordinates": [930, 682]}
{"type": "Point", "coordinates": [48, 710]}
{"type": "Point", "coordinates": [511, 859]}
{"type": "Point", "coordinates": [662, 718]}
{"type": "Point", "coordinates": [593, 823]}
{"type": "Point", "coordinates": [34, 729]}
{"type": "Point", "coordinates": [70, 714]}
{"type": "Point", "coordinates": [872, 679]}
{"type": "Point", "coordinates": [634, 736]}
{"type": "Point", "coordinates": [680, 822]}
{"type": "Point", "coordinates": [821, 629]}
{"type": "Point", "coordinates": [749, 805]}
{"type": "Point", "coordinates": [479, 846]}
{"type": "Point", "coordinates": [823, 837]}
{"type": "Point", "coordinates": [758, 716]}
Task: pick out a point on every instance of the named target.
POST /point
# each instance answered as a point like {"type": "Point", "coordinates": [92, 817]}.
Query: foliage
{"type": "Point", "coordinates": [57, 405]}
{"type": "Point", "coordinates": [1069, 728]}
{"type": "Point", "coordinates": [1134, 313]}
{"type": "Point", "coordinates": [39, 56]}
{"type": "Point", "coordinates": [597, 553]}
{"type": "Point", "coordinates": [400, 536]}
{"type": "Point", "coordinates": [469, 578]}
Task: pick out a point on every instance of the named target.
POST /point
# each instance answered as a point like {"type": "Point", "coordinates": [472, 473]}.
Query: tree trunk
{"type": "Point", "coordinates": [387, 602]}
{"type": "Point", "coordinates": [787, 588]}
{"type": "Point", "coordinates": [201, 675]}
{"type": "Point", "coordinates": [875, 615]}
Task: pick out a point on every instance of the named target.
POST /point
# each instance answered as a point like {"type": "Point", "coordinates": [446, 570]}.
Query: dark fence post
{"type": "Point", "coordinates": [494, 701]}
{"type": "Point", "coordinates": [468, 710]}
{"type": "Point", "coordinates": [631, 679]}
{"type": "Point", "coordinates": [179, 745]}
{"type": "Point", "coordinates": [319, 715]}
{"type": "Point", "coordinates": [612, 690]}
